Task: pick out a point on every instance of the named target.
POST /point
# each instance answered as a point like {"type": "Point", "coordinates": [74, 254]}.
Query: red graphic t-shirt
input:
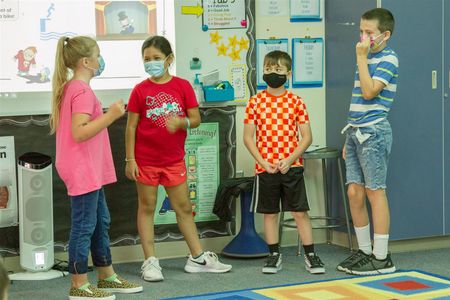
{"type": "Point", "coordinates": [155, 103]}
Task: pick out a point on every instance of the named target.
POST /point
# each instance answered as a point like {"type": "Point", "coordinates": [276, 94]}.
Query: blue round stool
{"type": "Point", "coordinates": [247, 244]}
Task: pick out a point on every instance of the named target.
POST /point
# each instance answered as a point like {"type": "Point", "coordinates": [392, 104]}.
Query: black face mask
{"type": "Point", "coordinates": [274, 80]}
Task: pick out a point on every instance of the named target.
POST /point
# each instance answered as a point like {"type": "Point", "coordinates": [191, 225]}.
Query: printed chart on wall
{"type": "Point", "coordinates": [307, 62]}
{"type": "Point", "coordinates": [202, 176]}
{"type": "Point", "coordinates": [30, 31]}
{"type": "Point", "coordinates": [224, 14]}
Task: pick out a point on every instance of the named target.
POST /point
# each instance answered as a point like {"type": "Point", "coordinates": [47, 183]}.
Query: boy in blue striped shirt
{"type": "Point", "coordinates": [368, 143]}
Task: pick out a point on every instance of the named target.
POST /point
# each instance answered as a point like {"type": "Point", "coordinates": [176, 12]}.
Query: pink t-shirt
{"type": "Point", "coordinates": [85, 166]}
{"type": "Point", "coordinates": [155, 103]}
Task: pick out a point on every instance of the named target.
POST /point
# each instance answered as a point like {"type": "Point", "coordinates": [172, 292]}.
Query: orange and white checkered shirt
{"type": "Point", "coordinates": [276, 119]}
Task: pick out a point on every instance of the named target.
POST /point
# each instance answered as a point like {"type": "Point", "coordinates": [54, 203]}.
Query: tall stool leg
{"type": "Point", "coordinates": [299, 245]}
{"type": "Point", "coordinates": [344, 199]}
{"type": "Point", "coordinates": [280, 228]}
{"type": "Point", "coordinates": [325, 197]}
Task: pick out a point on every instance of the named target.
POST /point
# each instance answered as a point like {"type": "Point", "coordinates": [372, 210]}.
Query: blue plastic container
{"type": "Point", "coordinates": [221, 92]}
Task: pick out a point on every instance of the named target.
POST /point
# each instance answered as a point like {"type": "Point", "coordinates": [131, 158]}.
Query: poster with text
{"type": "Point", "coordinates": [202, 166]}
{"type": "Point", "coordinates": [224, 14]}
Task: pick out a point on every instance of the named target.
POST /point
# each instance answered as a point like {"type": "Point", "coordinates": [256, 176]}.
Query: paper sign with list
{"type": "Point", "coordinates": [224, 14]}
{"type": "Point", "coordinates": [307, 56]}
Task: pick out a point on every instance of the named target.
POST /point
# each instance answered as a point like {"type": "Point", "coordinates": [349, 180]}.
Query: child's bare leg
{"type": "Point", "coordinates": [179, 200]}
{"type": "Point", "coordinates": [357, 199]}
{"type": "Point", "coordinates": [147, 196]}
{"type": "Point", "coordinates": [271, 228]}
{"type": "Point", "coordinates": [381, 222]}
{"type": "Point", "coordinates": [304, 227]}
{"type": "Point", "coordinates": [380, 210]}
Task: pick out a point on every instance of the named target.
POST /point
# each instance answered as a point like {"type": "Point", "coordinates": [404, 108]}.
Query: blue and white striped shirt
{"type": "Point", "coordinates": [383, 66]}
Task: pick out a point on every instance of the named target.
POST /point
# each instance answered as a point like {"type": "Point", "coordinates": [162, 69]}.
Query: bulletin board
{"type": "Point", "coordinates": [221, 34]}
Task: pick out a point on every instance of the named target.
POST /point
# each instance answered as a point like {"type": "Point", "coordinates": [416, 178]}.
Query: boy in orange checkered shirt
{"type": "Point", "coordinates": [277, 116]}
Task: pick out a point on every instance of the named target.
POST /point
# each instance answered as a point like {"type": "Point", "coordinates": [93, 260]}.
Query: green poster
{"type": "Point", "coordinates": [202, 165]}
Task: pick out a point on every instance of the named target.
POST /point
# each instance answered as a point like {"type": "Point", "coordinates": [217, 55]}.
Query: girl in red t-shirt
{"type": "Point", "coordinates": [160, 110]}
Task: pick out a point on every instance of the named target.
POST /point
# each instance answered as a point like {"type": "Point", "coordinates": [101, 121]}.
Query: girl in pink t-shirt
{"type": "Point", "coordinates": [84, 162]}
{"type": "Point", "coordinates": [160, 110]}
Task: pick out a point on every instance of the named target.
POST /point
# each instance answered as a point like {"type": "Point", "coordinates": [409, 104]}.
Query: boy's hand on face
{"type": "Point", "coordinates": [270, 168]}
{"type": "Point", "coordinates": [363, 48]}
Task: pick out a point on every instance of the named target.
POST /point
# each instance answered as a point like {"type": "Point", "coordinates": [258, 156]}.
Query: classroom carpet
{"type": "Point", "coordinates": [412, 284]}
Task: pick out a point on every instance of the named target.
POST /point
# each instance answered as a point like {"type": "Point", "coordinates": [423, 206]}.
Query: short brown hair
{"type": "Point", "coordinates": [385, 18]}
{"type": "Point", "coordinates": [278, 58]}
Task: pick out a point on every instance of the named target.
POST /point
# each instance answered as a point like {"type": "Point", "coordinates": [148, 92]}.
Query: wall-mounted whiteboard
{"type": "Point", "coordinates": [29, 38]}
{"type": "Point", "coordinates": [307, 61]}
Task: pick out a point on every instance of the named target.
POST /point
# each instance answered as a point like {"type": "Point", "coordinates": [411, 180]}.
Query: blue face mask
{"type": "Point", "coordinates": [155, 68]}
{"type": "Point", "coordinates": [101, 66]}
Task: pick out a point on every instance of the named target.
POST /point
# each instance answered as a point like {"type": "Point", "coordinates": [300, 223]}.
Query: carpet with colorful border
{"type": "Point", "coordinates": [411, 284]}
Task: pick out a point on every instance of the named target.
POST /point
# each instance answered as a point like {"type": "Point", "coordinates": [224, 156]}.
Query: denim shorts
{"type": "Point", "coordinates": [367, 154]}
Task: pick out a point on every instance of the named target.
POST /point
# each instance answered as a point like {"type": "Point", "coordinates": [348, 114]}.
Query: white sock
{"type": "Point", "coordinates": [363, 237]}
{"type": "Point", "coordinates": [380, 245]}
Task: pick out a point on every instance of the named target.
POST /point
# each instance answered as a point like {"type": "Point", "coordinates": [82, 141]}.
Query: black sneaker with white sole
{"type": "Point", "coordinates": [351, 260]}
{"type": "Point", "coordinates": [313, 264]}
{"type": "Point", "coordinates": [272, 264]}
{"type": "Point", "coordinates": [372, 266]}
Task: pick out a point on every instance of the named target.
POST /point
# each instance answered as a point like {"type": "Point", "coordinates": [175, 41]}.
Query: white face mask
{"type": "Point", "coordinates": [155, 68]}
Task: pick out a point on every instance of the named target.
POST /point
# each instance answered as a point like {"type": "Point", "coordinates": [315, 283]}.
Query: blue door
{"type": "Point", "coordinates": [415, 178]}
{"type": "Point", "coordinates": [446, 88]}
{"type": "Point", "coordinates": [341, 35]}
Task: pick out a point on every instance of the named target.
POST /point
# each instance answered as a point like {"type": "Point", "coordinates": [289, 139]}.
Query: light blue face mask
{"type": "Point", "coordinates": [101, 66]}
{"type": "Point", "coordinates": [155, 68]}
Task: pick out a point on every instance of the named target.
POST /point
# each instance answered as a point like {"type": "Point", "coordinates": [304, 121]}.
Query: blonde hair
{"type": "Point", "coordinates": [68, 53]}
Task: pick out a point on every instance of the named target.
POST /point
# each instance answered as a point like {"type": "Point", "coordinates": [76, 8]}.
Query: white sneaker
{"type": "Point", "coordinates": [207, 262]}
{"type": "Point", "coordinates": [150, 270]}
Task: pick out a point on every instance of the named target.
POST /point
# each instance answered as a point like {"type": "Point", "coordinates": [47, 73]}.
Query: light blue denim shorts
{"type": "Point", "coordinates": [367, 154]}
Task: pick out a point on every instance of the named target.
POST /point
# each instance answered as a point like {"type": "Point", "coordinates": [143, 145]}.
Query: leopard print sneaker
{"type": "Point", "coordinates": [119, 285]}
{"type": "Point", "coordinates": [90, 293]}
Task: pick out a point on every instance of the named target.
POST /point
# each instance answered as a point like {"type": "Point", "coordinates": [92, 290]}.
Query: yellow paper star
{"type": "Point", "coordinates": [222, 50]}
{"type": "Point", "coordinates": [235, 54]}
{"type": "Point", "coordinates": [215, 37]}
{"type": "Point", "coordinates": [233, 41]}
{"type": "Point", "coordinates": [243, 43]}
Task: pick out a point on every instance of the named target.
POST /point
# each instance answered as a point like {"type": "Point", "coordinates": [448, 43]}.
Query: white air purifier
{"type": "Point", "coordinates": [36, 217]}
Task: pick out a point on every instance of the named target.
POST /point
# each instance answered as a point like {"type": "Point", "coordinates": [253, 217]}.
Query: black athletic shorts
{"type": "Point", "coordinates": [277, 192]}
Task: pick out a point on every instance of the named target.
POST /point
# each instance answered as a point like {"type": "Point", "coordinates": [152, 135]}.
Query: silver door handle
{"type": "Point", "coordinates": [347, 24]}
{"type": "Point", "coordinates": [434, 79]}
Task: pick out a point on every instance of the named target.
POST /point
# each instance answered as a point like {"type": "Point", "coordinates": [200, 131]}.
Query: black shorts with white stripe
{"type": "Point", "coordinates": [277, 192]}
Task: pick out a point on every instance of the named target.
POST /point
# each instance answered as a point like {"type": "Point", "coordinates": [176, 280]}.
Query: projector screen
{"type": "Point", "coordinates": [30, 30]}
